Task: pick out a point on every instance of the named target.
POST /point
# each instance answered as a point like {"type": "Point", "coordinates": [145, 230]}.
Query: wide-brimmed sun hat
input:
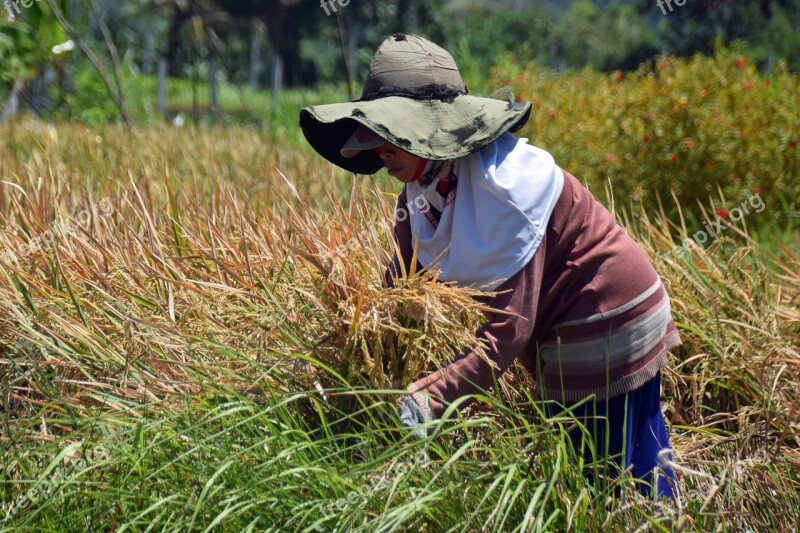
{"type": "Point", "coordinates": [415, 99]}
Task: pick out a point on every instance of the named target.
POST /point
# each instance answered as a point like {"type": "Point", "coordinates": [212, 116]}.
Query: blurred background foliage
{"type": "Point", "coordinates": [711, 130]}
{"type": "Point", "coordinates": [277, 44]}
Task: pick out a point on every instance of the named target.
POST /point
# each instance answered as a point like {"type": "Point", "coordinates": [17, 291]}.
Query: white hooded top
{"type": "Point", "coordinates": [493, 226]}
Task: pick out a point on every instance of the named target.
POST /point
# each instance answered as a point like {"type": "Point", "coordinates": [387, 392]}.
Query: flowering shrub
{"type": "Point", "coordinates": [679, 126]}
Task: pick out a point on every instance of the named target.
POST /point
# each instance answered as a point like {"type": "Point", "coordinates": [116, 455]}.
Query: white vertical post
{"type": "Point", "coordinates": [277, 79]}
{"type": "Point", "coordinates": [255, 59]}
{"type": "Point", "coordinates": [214, 88]}
{"type": "Point", "coordinates": [162, 87]}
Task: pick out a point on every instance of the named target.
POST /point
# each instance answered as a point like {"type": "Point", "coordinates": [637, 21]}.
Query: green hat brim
{"type": "Point", "coordinates": [431, 129]}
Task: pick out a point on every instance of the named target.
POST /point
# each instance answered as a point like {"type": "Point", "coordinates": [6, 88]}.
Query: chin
{"type": "Point", "coordinates": [396, 176]}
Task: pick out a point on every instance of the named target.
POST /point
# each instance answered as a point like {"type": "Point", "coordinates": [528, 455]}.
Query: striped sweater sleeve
{"type": "Point", "coordinates": [505, 335]}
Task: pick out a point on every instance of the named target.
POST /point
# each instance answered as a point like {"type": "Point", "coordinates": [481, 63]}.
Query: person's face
{"type": "Point", "coordinates": [398, 163]}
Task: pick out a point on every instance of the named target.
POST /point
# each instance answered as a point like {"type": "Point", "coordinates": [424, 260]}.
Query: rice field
{"type": "Point", "coordinates": [194, 336]}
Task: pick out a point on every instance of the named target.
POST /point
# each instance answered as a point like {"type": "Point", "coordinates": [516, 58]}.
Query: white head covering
{"type": "Point", "coordinates": [504, 197]}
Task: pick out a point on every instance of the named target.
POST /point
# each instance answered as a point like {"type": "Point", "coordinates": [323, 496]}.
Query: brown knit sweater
{"type": "Point", "coordinates": [589, 315]}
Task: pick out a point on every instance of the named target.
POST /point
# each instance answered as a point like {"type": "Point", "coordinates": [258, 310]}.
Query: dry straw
{"type": "Point", "coordinates": [185, 283]}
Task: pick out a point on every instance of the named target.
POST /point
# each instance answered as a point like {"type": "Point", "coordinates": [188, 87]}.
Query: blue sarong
{"type": "Point", "coordinates": [636, 433]}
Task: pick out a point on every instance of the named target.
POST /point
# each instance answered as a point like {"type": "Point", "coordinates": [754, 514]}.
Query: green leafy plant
{"type": "Point", "coordinates": [682, 128]}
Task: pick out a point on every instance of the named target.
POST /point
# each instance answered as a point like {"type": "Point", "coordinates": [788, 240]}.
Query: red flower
{"type": "Point", "coordinates": [610, 157]}
{"type": "Point", "coordinates": [767, 84]}
{"type": "Point", "coordinates": [620, 76]}
{"type": "Point", "coordinates": [748, 85]}
{"type": "Point", "coordinates": [537, 104]}
{"type": "Point", "coordinates": [741, 62]}
{"type": "Point", "coordinates": [673, 157]}
{"type": "Point", "coordinates": [647, 138]}
{"type": "Point", "coordinates": [756, 189]}
{"type": "Point", "coordinates": [792, 144]}
{"type": "Point", "coordinates": [722, 212]}
{"type": "Point", "coordinates": [551, 112]}
{"type": "Point", "coordinates": [710, 165]}
{"type": "Point", "coordinates": [576, 81]}
{"type": "Point", "coordinates": [689, 144]}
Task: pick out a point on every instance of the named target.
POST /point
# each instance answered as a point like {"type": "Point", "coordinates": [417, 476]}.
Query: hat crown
{"type": "Point", "coordinates": [410, 62]}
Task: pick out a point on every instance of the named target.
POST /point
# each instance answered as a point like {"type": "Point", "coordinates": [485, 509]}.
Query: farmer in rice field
{"type": "Point", "coordinates": [584, 309]}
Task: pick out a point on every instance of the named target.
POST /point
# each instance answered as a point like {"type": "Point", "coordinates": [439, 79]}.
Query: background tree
{"type": "Point", "coordinates": [27, 58]}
